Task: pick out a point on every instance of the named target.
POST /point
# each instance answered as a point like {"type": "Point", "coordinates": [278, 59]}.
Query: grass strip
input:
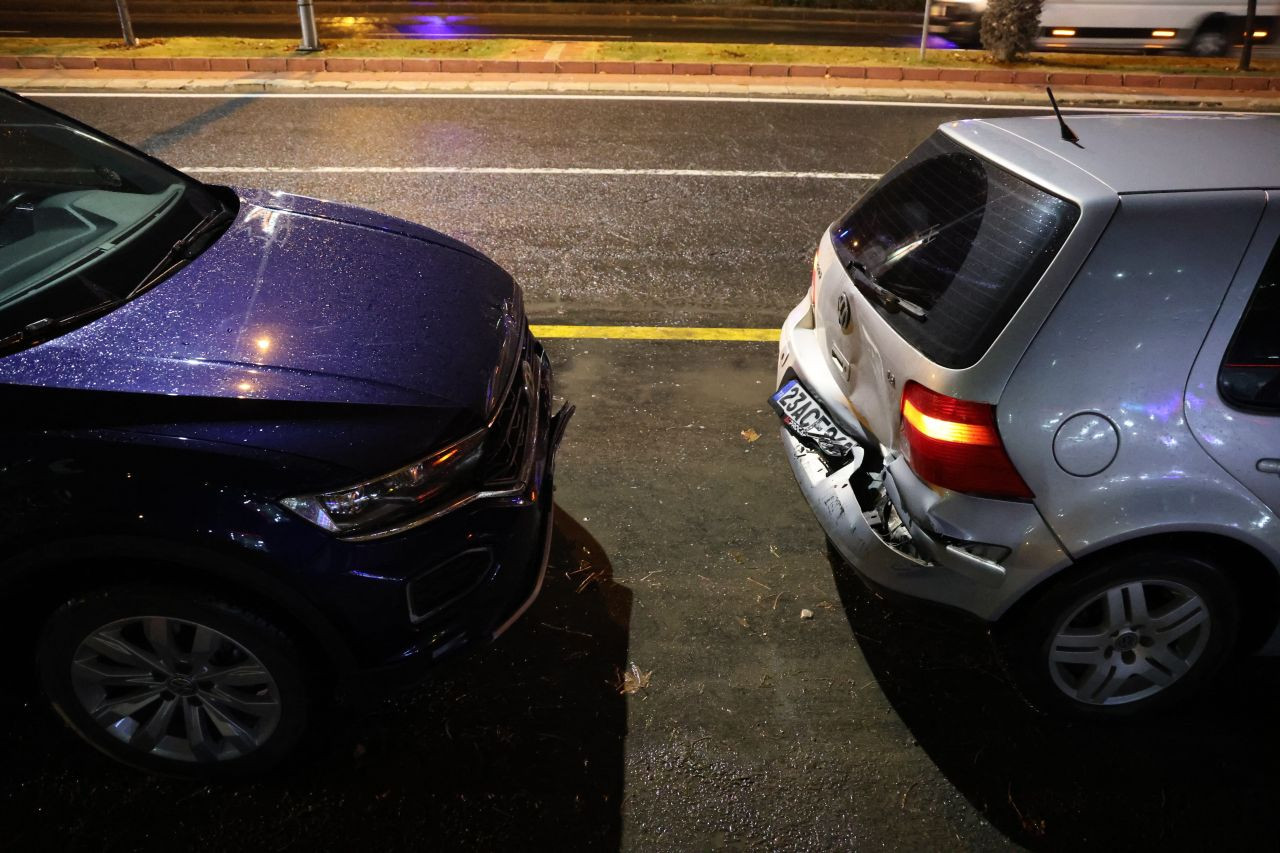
{"type": "Point", "coordinates": [630, 52]}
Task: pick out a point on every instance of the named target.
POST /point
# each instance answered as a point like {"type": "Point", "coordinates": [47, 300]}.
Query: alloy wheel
{"type": "Point", "coordinates": [176, 689]}
{"type": "Point", "coordinates": [1129, 642]}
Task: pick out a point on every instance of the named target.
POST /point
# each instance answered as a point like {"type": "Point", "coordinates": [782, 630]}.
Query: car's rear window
{"type": "Point", "coordinates": [947, 246]}
{"type": "Point", "coordinates": [1250, 374]}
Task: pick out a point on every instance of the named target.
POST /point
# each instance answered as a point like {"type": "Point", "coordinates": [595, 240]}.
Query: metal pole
{"type": "Point", "coordinates": [924, 29]}
{"type": "Point", "coordinates": [1250, 21]}
{"type": "Point", "coordinates": [126, 25]}
{"type": "Point", "coordinates": [307, 17]}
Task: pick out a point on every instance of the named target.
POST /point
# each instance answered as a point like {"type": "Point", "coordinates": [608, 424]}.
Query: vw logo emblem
{"type": "Point", "coordinates": [844, 312]}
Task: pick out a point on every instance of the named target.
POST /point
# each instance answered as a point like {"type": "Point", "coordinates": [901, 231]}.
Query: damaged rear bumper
{"type": "Point", "coordinates": [878, 530]}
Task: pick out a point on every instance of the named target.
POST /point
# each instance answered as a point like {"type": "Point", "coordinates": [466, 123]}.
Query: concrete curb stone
{"type": "Point", "coordinates": [760, 69]}
{"type": "Point", "coordinates": [145, 63]}
{"type": "Point", "coordinates": [615, 68]}
{"type": "Point", "coordinates": [268, 64]}
{"type": "Point", "coordinates": [340, 65]}
{"type": "Point", "coordinates": [1228, 93]}
{"type": "Point", "coordinates": [690, 68]}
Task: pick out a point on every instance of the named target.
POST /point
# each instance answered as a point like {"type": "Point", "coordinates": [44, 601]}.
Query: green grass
{"type": "Point", "coordinates": [628, 51]}
{"type": "Point", "coordinates": [241, 47]}
{"type": "Point", "coordinates": [898, 56]}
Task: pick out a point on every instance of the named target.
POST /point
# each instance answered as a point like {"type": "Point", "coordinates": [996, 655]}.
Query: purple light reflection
{"type": "Point", "coordinates": [438, 27]}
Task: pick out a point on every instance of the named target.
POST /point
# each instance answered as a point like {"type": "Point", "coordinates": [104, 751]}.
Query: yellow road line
{"type": "Point", "coordinates": [656, 333]}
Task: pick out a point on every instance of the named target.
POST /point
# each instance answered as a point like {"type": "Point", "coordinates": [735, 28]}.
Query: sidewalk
{"type": "Point", "coordinates": [1071, 92]}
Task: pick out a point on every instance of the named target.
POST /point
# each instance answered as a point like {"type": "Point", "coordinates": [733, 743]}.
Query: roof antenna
{"type": "Point", "coordinates": [1068, 135]}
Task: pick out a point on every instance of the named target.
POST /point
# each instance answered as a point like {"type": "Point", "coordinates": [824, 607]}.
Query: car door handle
{"type": "Point", "coordinates": [1269, 466]}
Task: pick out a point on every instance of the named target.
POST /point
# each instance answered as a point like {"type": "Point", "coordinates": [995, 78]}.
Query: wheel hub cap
{"type": "Point", "coordinates": [176, 689]}
{"type": "Point", "coordinates": [183, 686]}
{"type": "Point", "coordinates": [1129, 642]}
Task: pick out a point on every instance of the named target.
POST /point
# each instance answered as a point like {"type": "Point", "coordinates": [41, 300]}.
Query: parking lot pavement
{"type": "Point", "coordinates": [664, 692]}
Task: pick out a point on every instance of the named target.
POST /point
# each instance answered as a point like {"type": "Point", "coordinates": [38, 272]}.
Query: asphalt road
{"type": "Point", "coordinates": [681, 546]}
{"type": "Point", "coordinates": [259, 19]}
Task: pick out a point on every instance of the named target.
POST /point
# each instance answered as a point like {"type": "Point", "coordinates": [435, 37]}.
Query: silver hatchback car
{"type": "Point", "coordinates": [1039, 380]}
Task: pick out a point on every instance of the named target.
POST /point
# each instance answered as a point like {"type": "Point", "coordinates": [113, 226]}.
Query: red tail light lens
{"type": "Point", "coordinates": [954, 444]}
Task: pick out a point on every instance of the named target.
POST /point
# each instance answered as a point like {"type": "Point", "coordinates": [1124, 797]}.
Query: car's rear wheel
{"type": "Point", "coordinates": [172, 681]}
{"type": "Point", "coordinates": [1136, 634]}
{"type": "Point", "coordinates": [1210, 40]}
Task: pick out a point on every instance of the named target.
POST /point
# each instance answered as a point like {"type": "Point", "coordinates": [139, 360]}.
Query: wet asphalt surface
{"type": "Point", "coordinates": [681, 548]}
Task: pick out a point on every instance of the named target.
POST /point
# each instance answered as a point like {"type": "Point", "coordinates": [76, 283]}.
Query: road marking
{"type": "Point", "coordinates": [655, 333]}
{"type": "Point", "coordinates": [526, 170]}
{"type": "Point", "coordinates": [834, 101]}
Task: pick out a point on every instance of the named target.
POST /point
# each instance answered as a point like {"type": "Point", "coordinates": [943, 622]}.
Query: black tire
{"type": "Point", "coordinates": [246, 715]}
{"type": "Point", "coordinates": [1063, 655]}
{"type": "Point", "coordinates": [1210, 40]}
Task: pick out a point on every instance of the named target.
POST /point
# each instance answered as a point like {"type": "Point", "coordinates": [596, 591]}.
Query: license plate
{"type": "Point", "coordinates": [804, 417]}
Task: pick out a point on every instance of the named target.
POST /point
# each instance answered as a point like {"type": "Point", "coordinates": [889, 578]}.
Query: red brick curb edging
{"type": "Point", "coordinates": [1214, 82]}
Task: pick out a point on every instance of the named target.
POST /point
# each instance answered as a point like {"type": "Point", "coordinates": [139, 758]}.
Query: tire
{"type": "Point", "coordinates": [175, 682]}
{"type": "Point", "coordinates": [1130, 637]}
{"type": "Point", "coordinates": [1209, 41]}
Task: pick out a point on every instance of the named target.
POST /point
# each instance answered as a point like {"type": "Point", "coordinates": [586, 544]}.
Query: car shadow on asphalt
{"type": "Point", "coordinates": [1203, 775]}
{"type": "Point", "coordinates": [517, 746]}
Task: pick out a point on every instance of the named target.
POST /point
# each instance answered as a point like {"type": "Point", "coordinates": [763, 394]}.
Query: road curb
{"type": "Point", "coordinates": [1254, 84]}
{"type": "Point", "coordinates": [835, 89]}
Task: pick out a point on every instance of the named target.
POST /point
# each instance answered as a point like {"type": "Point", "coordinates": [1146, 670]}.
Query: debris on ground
{"type": "Point", "coordinates": [1033, 826]}
{"type": "Point", "coordinates": [593, 575]}
{"type": "Point", "coordinates": [806, 613]}
{"type": "Point", "coordinates": [750, 435]}
{"type": "Point", "coordinates": [632, 680]}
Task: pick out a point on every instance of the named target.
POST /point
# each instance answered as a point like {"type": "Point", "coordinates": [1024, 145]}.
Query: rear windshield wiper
{"type": "Point", "coordinates": [184, 249]}
{"type": "Point", "coordinates": [891, 301]}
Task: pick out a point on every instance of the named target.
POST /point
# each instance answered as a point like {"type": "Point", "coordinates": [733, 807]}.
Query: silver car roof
{"type": "Point", "coordinates": [1134, 153]}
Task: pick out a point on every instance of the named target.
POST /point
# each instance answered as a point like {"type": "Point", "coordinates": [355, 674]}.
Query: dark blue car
{"type": "Point", "coordinates": [258, 452]}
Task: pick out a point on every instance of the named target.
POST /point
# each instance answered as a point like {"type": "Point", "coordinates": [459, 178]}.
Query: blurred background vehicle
{"type": "Point", "coordinates": [1191, 26]}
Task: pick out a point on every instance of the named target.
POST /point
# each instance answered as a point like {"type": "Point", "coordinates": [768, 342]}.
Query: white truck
{"type": "Point", "coordinates": [1190, 26]}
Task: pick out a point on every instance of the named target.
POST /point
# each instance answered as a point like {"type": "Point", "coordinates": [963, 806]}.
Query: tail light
{"type": "Point", "coordinates": [954, 444]}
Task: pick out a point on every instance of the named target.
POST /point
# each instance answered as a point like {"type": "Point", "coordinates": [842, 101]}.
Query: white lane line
{"type": "Point", "coordinates": [527, 170]}
{"type": "Point", "coordinates": [558, 96]}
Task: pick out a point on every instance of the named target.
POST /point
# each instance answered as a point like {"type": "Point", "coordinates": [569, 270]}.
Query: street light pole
{"type": "Point", "coordinates": [924, 29]}
{"type": "Point", "coordinates": [307, 17]}
{"type": "Point", "coordinates": [1250, 19]}
{"type": "Point", "coordinates": [126, 25]}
